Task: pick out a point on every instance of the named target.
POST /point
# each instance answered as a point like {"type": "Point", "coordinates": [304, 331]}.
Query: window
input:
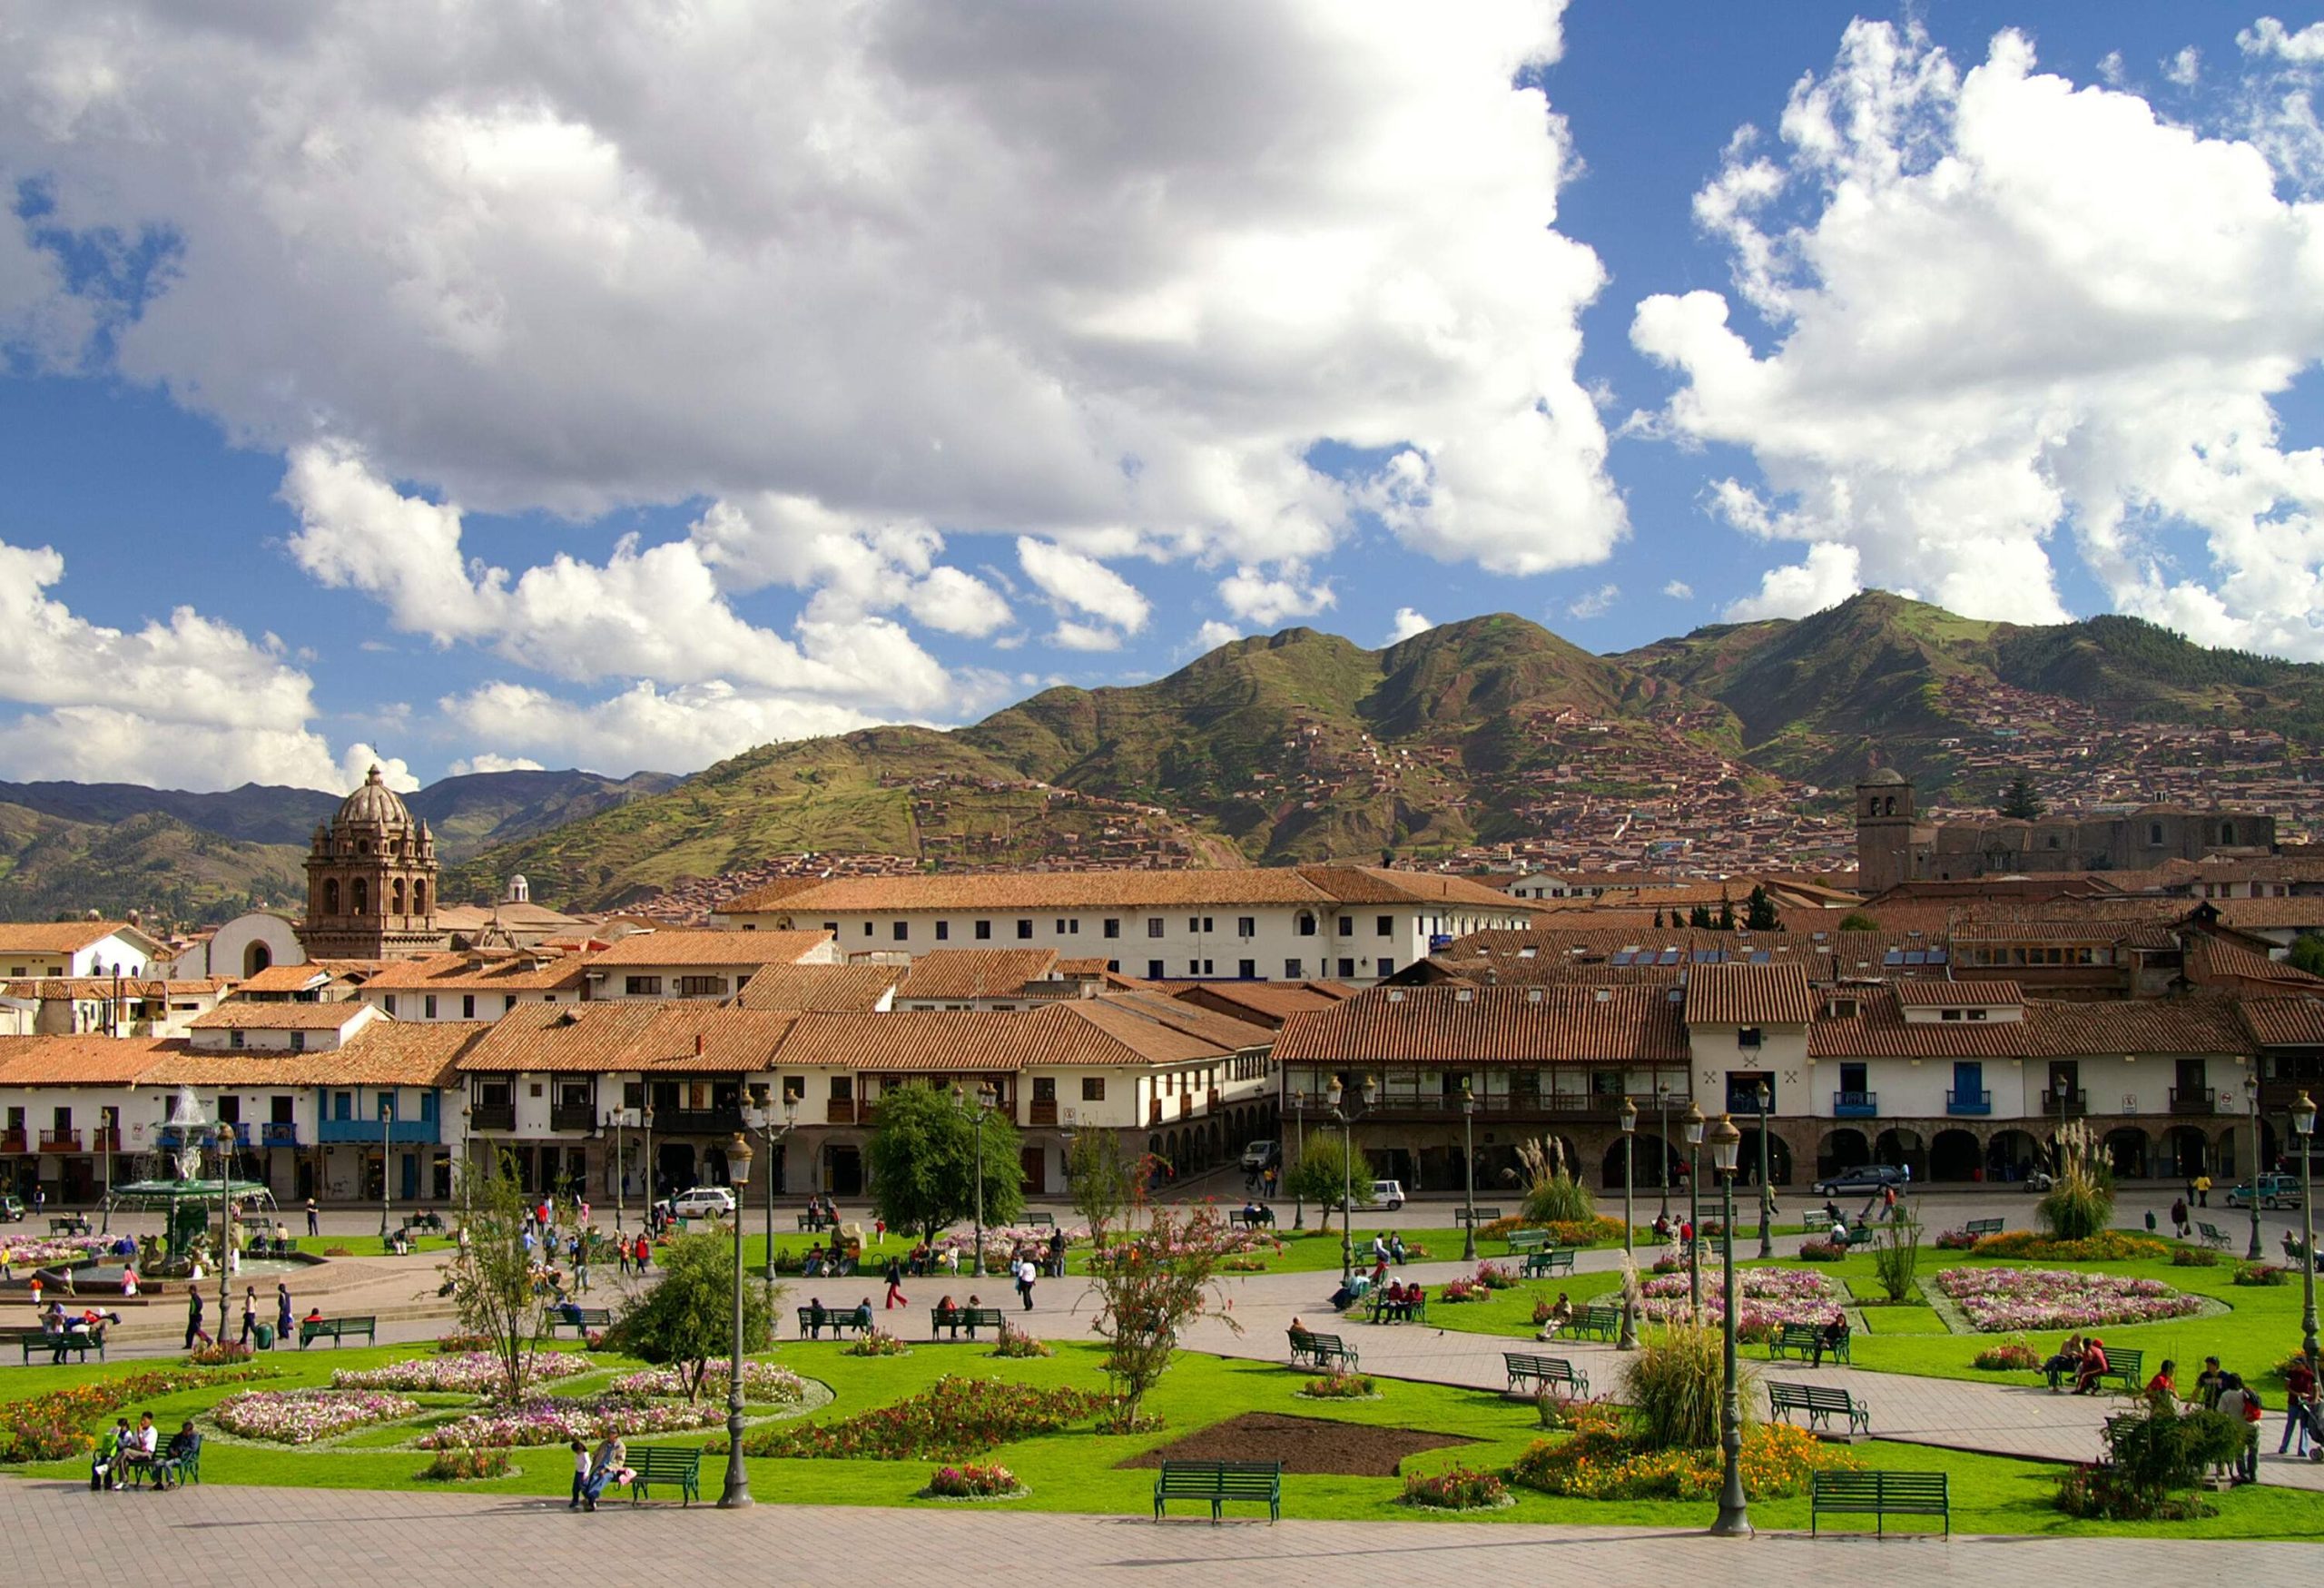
{"type": "Point", "coordinates": [1248, 970]}
{"type": "Point", "coordinates": [362, 891]}
{"type": "Point", "coordinates": [1976, 1015]}
{"type": "Point", "coordinates": [1950, 1014]}
{"type": "Point", "coordinates": [943, 931]}
{"type": "Point", "coordinates": [1383, 926]}
{"type": "Point", "coordinates": [1194, 966]}
{"type": "Point", "coordinates": [1347, 926]}
{"type": "Point", "coordinates": [2154, 835]}
{"type": "Point", "coordinates": [1292, 970]}
{"type": "Point", "coordinates": [1306, 924]}
{"type": "Point", "coordinates": [1073, 926]}
{"type": "Point", "coordinates": [830, 926]}
{"type": "Point", "coordinates": [1113, 926]}
{"type": "Point", "coordinates": [507, 1003]}
{"type": "Point", "coordinates": [984, 931]}
{"type": "Point", "coordinates": [1347, 967]}
{"type": "Point", "coordinates": [902, 930]}
{"type": "Point", "coordinates": [468, 1006]}
{"type": "Point", "coordinates": [427, 1006]}
{"type": "Point", "coordinates": [235, 1038]}
{"type": "Point", "coordinates": [1386, 966]}
{"type": "Point", "coordinates": [1154, 926]}
{"type": "Point", "coordinates": [1154, 970]}
{"type": "Point", "coordinates": [636, 986]}
{"type": "Point", "coordinates": [298, 1042]}
{"type": "Point", "coordinates": [1743, 1091]}
{"type": "Point", "coordinates": [1024, 928]}
{"type": "Point", "coordinates": [867, 929]}
{"type": "Point", "coordinates": [1093, 1089]}
{"type": "Point", "coordinates": [1748, 1037]}
{"type": "Point", "coordinates": [343, 1103]}
{"type": "Point", "coordinates": [388, 1005]}
{"type": "Point", "coordinates": [702, 987]}
{"type": "Point", "coordinates": [842, 1088]}
{"type": "Point", "coordinates": [1246, 926]}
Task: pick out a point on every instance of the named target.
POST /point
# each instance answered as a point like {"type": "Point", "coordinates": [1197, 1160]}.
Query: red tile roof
{"type": "Point", "coordinates": [961, 974]}
{"type": "Point", "coordinates": [673, 947]}
{"type": "Point", "coordinates": [1519, 1025]}
{"type": "Point", "coordinates": [830, 988]}
{"type": "Point", "coordinates": [1749, 995]}
{"type": "Point", "coordinates": [1931, 992]}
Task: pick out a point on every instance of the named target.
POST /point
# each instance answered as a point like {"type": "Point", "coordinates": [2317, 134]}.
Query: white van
{"type": "Point", "coordinates": [1388, 1193]}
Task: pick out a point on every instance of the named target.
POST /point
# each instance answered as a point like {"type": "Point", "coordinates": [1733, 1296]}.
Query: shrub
{"type": "Point", "coordinates": [1564, 1232]}
{"type": "Point", "coordinates": [2150, 1452]}
{"type": "Point", "coordinates": [877, 1342]}
{"type": "Point", "coordinates": [1461, 1489]}
{"type": "Point", "coordinates": [972, 1480]}
{"type": "Point", "coordinates": [1461, 1290]}
{"type": "Point", "coordinates": [2010, 1357]}
{"type": "Point", "coordinates": [1820, 1251]}
{"type": "Point", "coordinates": [465, 1464]}
{"type": "Point", "coordinates": [462, 1342]}
{"type": "Point", "coordinates": [50, 1426]}
{"type": "Point", "coordinates": [2261, 1274]}
{"type": "Point", "coordinates": [1552, 1195]}
{"type": "Point", "coordinates": [1954, 1240]}
{"type": "Point", "coordinates": [1496, 1276]}
{"type": "Point", "coordinates": [1676, 1384]}
{"type": "Point", "coordinates": [1601, 1461]}
{"type": "Point", "coordinates": [952, 1420]}
{"type": "Point", "coordinates": [2081, 1200]}
{"type": "Point", "coordinates": [1343, 1386]}
{"type": "Point", "coordinates": [1017, 1343]}
{"type": "Point", "coordinates": [1896, 1254]}
{"type": "Point", "coordinates": [1670, 1265]}
{"type": "Point", "coordinates": [221, 1353]}
{"type": "Point", "coordinates": [2194, 1257]}
{"type": "Point", "coordinates": [2108, 1246]}
{"type": "Point", "coordinates": [338, 1251]}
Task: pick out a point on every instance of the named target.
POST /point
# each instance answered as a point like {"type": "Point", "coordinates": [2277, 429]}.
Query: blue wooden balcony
{"type": "Point", "coordinates": [366, 1132]}
{"type": "Point", "coordinates": [1855, 1105]}
{"type": "Point", "coordinates": [1969, 1102]}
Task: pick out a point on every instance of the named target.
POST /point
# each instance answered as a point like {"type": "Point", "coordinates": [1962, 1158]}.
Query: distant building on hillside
{"type": "Point", "coordinates": [1894, 845]}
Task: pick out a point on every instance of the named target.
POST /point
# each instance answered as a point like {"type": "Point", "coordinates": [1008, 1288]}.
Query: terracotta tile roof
{"type": "Point", "coordinates": [494, 972]}
{"type": "Point", "coordinates": [674, 1038]}
{"type": "Point", "coordinates": [823, 988]}
{"type": "Point", "coordinates": [82, 1060]}
{"type": "Point", "coordinates": [999, 891]}
{"type": "Point", "coordinates": [383, 1053]}
{"type": "Point", "coordinates": [56, 937]}
{"type": "Point", "coordinates": [1265, 1003]}
{"type": "Point", "coordinates": [288, 978]}
{"type": "Point", "coordinates": [959, 975]}
{"type": "Point", "coordinates": [2250, 914]}
{"type": "Point", "coordinates": [1523, 1025]}
{"type": "Point", "coordinates": [1081, 1033]}
{"type": "Point", "coordinates": [1156, 1008]}
{"type": "Point", "coordinates": [2273, 1022]}
{"type": "Point", "coordinates": [2210, 960]}
{"type": "Point", "coordinates": [673, 946]}
{"type": "Point", "coordinates": [767, 895]}
{"type": "Point", "coordinates": [101, 988]}
{"type": "Point", "coordinates": [251, 1015]}
{"type": "Point", "coordinates": [1931, 992]}
{"type": "Point", "coordinates": [2048, 1030]}
{"type": "Point", "coordinates": [1749, 995]}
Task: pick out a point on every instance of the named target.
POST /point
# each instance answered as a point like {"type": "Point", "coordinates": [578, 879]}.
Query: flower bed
{"type": "Point", "coordinates": [1341, 1387]}
{"type": "Point", "coordinates": [1461, 1489]}
{"type": "Point", "coordinates": [2019, 1299]}
{"type": "Point", "coordinates": [545, 1420]}
{"type": "Point", "coordinates": [2194, 1257]}
{"type": "Point", "coordinates": [461, 1342]}
{"type": "Point", "coordinates": [1017, 1344]}
{"type": "Point", "coordinates": [972, 1480]}
{"type": "Point", "coordinates": [2261, 1274]}
{"type": "Point", "coordinates": [219, 1354]}
{"type": "Point", "coordinates": [1769, 1297]}
{"type": "Point", "coordinates": [302, 1416]}
{"type": "Point", "coordinates": [877, 1342]}
{"type": "Point", "coordinates": [1600, 1460]}
{"type": "Point", "coordinates": [1823, 1251]}
{"type": "Point", "coordinates": [952, 1419]}
{"type": "Point", "coordinates": [761, 1381]}
{"type": "Point", "coordinates": [2010, 1357]}
{"type": "Point", "coordinates": [54, 1426]}
{"type": "Point", "coordinates": [465, 1464]}
{"type": "Point", "coordinates": [469, 1373]}
{"type": "Point", "coordinates": [1564, 1232]}
{"type": "Point", "coordinates": [1955, 1240]}
{"type": "Point", "coordinates": [1496, 1276]}
{"type": "Point", "coordinates": [2107, 1246]}
{"type": "Point", "coordinates": [51, 1254]}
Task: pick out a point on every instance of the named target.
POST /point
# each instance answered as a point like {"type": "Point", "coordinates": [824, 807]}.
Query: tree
{"type": "Point", "coordinates": [1102, 1178]}
{"type": "Point", "coordinates": [1726, 911]}
{"type": "Point", "coordinates": [492, 1276]}
{"type": "Point", "coordinates": [1149, 1287]}
{"type": "Point", "coordinates": [1759, 910]}
{"type": "Point", "coordinates": [2307, 954]}
{"type": "Point", "coordinates": [1898, 1259]}
{"type": "Point", "coordinates": [1700, 917]}
{"type": "Point", "coordinates": [688, 1317]}
{"type": "Point", "coordinates": [924, 1162]}
{"type": "Point", "coordinates": [1326, 1169]}
{"type": "Point", "coordinates": [1858, 921]}
{"type": "Point", "coordinates": [2020, 802]}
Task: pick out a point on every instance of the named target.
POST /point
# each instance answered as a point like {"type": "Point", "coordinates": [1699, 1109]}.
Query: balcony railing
{"type": "Point", "coordinates": [839, 1111]}
{"type": "Point", "coordinates": [60, 1141]}
{"type": "Point", "coordinates": [492, 1115]}
{"type": "Point", "coordinates": [1855, 1105]}
{"type": "Point", "coordinates": [1969, 1102]}
{"type": "Point", "coordinates": [1522, 1104]}
{"type": "Point", "coordinates": [12, 1141]}
{"type": "Point", "coordinates": [2071, 1105]}
{"type": "Point", "coordinates": [285, 1134]}
{"type": "Point", "coordinates": [573, 1116]}
{"type": "Point", "coordinates": [362, 1133]}
{"type": "Point", "coordinates": [698, 1122]}
{"type": "Point", "coordinates": [1041, 1111]}
{"type": "Point", "coordinates": [2193, 1099]}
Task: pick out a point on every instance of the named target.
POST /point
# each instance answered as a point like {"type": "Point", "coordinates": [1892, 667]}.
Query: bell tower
{"type": "Point", "coordinates": [371, 881]}
{"type": "Point", "coordinates": [1884, 831]}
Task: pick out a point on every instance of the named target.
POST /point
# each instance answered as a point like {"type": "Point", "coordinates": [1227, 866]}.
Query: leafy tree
{"type": "Point", "coordinates": [2307, 954]}
{"type": "Point", "coordinates": [1726, 912]}
{"type": "Point", "coordinates": [492, 1276]}
{"type": "Point", "coordinates": [1149, 1287]}
{"type": "Point", "coordinates": [924, 1162]}
{"type": "Point", "coordinates": [1858, 921]}
{"type": "Point", "coordinates": [1103, 1179]}
{"type": "Point", "coordinates": [1326, 1169]}
{"type": "Point", "coordinates": [688, 1317]}
{"type": "Point", "coordinates": [1657, 918]}
{"type": "Point", "coordinates": [1759, 910]}
{"type": "Point", "coordinates": [2020, 802]}
{"type": "Point", "coordinates": [1700, 917]}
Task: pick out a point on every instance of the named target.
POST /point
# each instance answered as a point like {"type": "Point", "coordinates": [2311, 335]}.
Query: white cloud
{"type": "Point", "coordinates": [486, 761]}
{"type": "Point", "coordinates": [642, 728]}
{"type": "Point", "coordinates": [1073, 582]}
{"type": "Point", "coordinates": [1826, 578]}
{"type": "Point", "coordinates": [1409, 624]}
{"type": "Point", "coordinates": [1594, 603]}
{"type": "Point", "coordinates": [2185, 68]}
{"type": "Point", "coordinates": [1215, 634]}
{"type": "Point", "coordinates": [2269, 37]}
{"type": "Point", "coordinates": [355, 766]}
{"type": "Point", "coordinates": [1253, 596]}
{"type": "Point", "coordinates": [2007, 306]}
{"type": "Point", "coordinates": [1069, 635]}
{"type": "Point", "coordinates": [1679, 590]}
{"type": "Point", "coordinates": [1105, 283]}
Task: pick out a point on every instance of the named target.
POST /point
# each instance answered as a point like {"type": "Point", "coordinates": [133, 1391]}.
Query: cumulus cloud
{"type": "Point", "coordinates": [644, 728]}
{"type": "Point", "coordinates": [1215, 634]}
{"type": "Point", "coordinates": [1075, 583]}
{"type": "Point", "coordinates": [2007, 306]}
{"type": "Point", "coordinates": [1594, 603]}
{"type": "Point", "coordinates": [1825, 578]}
{"type": "Point", "coordinates": [486, 761]}
{"type": "Point", "coordinates": [1256, 598]}
{"type": "Point", "coordinates": [2269, 37]}
{"type": "Point", "coordinates": [1408, 623]}
{"type": "Point", "coordinates": [1679, 590]}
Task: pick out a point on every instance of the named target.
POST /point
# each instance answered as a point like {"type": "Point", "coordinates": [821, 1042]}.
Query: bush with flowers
{"type": "Point", "coordinates": [2261, 1274]}
{"type": "Point", "coordinates": [470, 1373]}
{"type": "Point", "coordinates": [302, 1416]}
{"type": "Point", "coordinates": [1342, 1385]}
{"type": "Point", "coordinates": [2022, 1299]}
{"type": "Point", "coordinates": [952, 1419]}
{"type": "Point", "coordinates": [1955, 1240]}
{"type": "Point", "coordinates": [877, 1342]}
{"type": "Point", "coordinates": [973, 1481]}
{"type": "Point", "coordinates": [1602, 1459]}
{"type": "Point", "coordinates": [219, 1354]}
{"type": "Point", "coordinates": [1823, 1251]}
{"type": "Point", "coordinates": [53, 1425]}
{"type": "Point", "coordinates": [2009, 1356]}
{"type": "Point", "coordinates": [1564, 1232]}
{"type": "Point", "coordinates": [1017, 1343]}
{"type": "Point", "coordinates": [557, 1420]}
{"type": "Point", "coordinates": [1496, 1276]}
{"type": "Point", "coordinates": [761, 1381]}
{"type": "Point", "coordinates": [462, 1342]}
{"type": "Point", "coordinates": [1461, 1489]}
{"type": "Point", "coordinates": [2194, 1257]}
{"type": "Point", "coordinates": [465, 1464]}
{"type": "Point", "coordinates": [1462, 1290]}
{"type": "Point", "coordinates": [2108, 1246]}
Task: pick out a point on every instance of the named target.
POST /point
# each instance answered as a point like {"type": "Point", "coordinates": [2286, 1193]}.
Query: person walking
{"type": "Point", "coordinates": [281, 1313]}
{"type": "Point", "coordinates": [314, 1222]}
{"type": "Point", "coordinates": [193, 1329]}
{"type": "Point", "coordinates": [621, 1255]}
{"type": "Point", "coordinates": [2299, 1403]}
{"type": "Point", "coordinates": [895, 1287]}
{"type": "Point", "coordinates": [2202, 1190]}
{"type": "Point", "coordinates": [1025, 1276]}
{"type": "Point", "coordinates": [249, 1314]}
{"type": "Point", "coordinates": [2179, 1216]}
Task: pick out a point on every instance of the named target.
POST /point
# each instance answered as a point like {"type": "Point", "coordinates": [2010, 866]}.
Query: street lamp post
{"type": "Point", "coordinates": [1469, 1152]}
{"type": "Point", "coordinates": [2303, 1124]}
{"type": "Point", "coordinates": [2252, 1088]}
{"type": "Point", "coordinates": [1662, 1142]}
{"type": "Point", "coordinates": [467, 1157]}
{"type": "Point", "coordinates": [986, 1099]}
{"type": "Point", "coordinates": [614, 1122]}
{"type": "Point", "coordinates": [1628, 1116]}
{"type": "Point", "coordinates": [761, 1119]}
{"type": "Point", "coordinates": [1299, 1141]}
{"type": "Point", "coordinates": [1766, 1191]}
{"type": "Point", "coordinates": [225, 1216]}
{"type": "Point", "coordinates": [1691, 1126]}
{"type": "Point", "coordinates": [647, 1114]}
{"type": "Point", "coordinates": [1734, 1510]}
{"type": "Point", "coordinates": [1347, 1118]}
{"type": "Point", "coordinates": [387, 1124]}
{"type": "Point", "coordinates": [737, 1493]}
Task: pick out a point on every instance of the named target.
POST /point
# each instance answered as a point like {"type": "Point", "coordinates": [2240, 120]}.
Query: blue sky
{"type": "Point", "coordinates": [625, 396]}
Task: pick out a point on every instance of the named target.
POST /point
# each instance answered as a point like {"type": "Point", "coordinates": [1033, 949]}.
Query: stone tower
{"type": "Point", "coordinates": [371, 881]}
{"type": "Point", "coordinates": [1884, 831]}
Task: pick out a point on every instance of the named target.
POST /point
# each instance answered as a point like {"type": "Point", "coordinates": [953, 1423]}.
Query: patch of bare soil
{"type": "Point", "coordinates": [1310, 1444]}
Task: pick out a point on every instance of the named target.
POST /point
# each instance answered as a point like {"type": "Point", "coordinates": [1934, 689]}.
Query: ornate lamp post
{"type": "Point", "coordinates": [225, 1216]}
{"type": "Point", "coordinates": [2303, 1125]}
{"type": "Point", "coordinates": [1469, 1153]}
{"type": "Point", "coordinates": [1767, 1189]}
{"type": "Point", "coordinates": [1299, 1142]}
{"type": "Point", "coordinates": [613, 1120]}
{"type": "Point", "coordinates": [1347, 1118]}
{"type": "Point", "coordinates": [1734, 1510]}
{"type": "Point", "coordinates": [1662, 1142]}
{"type": "Point", "coordinates": [2251, 1088]}
{"type": "Point", "coordinates": [987, 1099]}
{"type": "Point", "coordinates": [647, 1114]}
{"type": "Point", "coordinates": [387, 1125]}
{"type": "Point", "coordinates": [737, 1493]}
{"type": "Point", "coordinates": [1691, 1126]}
{"type": "Point", "coordinates": [758, 1117]}
{"type": "Point", "coordinates": [1629, 1118]}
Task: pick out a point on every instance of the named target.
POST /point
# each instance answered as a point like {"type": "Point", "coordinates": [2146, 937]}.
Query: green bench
{"type": "Point", "coordinates": [666, 1463]}
{"type": "Point", "coordinates": [165, 1467]}
{"type": "Point", "coordinates": [1041, 1221]}
{"type": "Point", "coordinates": [338, 1330]}
{"type": "Point", "coordinates": [1820, 1405]}
{"type": "Point", "coordinates": [2212, 1235]}
{"type": "Point", "coordinates": [79, 1342]}
{"type": "Point", "coordinates": [1799, 1340]}
{"type": "Point", "coordinates": [1523, 1241]}
{"type": "Point", "coordinates": [839, 1320]}
{"type": "Point", "coordinates": [1861, 1235]}
{"type": "Point", "coordinates": [71, 1224]}
{"type": "Point", "coordinates": [1414, 1310]}
{"type": "Point", "coordinates": [1482, 1216]}
{"type": "Point", "coordinates": [2126, 1368]}
{"type": "Point", "coordinates": [1978, 1228]}
{"type": "Point", "coordinates": [1601, 1319]}
{"type": "Point", "coordinates": [1325, 1351]}
{"type": "Point", "coordinates": [581, 1319]}
{"type": "Point", "coordinates": [1879, 1495]}
{"type": "Point", "coordinates": [970, 1318]}
{"type": "Point", "coordinates": [1251, 1217]}
{"type": "Point", "coordinates": [1542, 1265]}
{"type": "Point", "coordinates": [1220, 1482]}
{"type": "Point", "coordinates": [1544, 1372]}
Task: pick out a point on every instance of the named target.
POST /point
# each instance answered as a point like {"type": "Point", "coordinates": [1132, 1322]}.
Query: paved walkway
{"type": "Point", "coordinates": [62, 1533]}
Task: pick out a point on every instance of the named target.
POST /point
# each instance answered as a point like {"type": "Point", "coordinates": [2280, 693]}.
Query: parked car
{"type": "Point", "coordinates": [1388, 1193]}
{"type": "Point", "coordinates": [1865, 1178]}
{"type": "Point", "coordinates": [2273, 1191]}
{"type": "Point", "coordinates": [703, 1202]}
{"type": "Point", "coordinates": [12, 1210]}
{"type": "Point", "coordinates": [1258, 1157]}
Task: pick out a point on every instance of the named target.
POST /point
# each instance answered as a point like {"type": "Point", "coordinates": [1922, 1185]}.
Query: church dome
{"type": "Point", "coordinates": [374, 805]}
{"type": "Point", "coordinates": [1887, 774]}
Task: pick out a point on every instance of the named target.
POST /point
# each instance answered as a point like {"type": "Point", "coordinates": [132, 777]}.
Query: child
{"type": "Point", "coordinates": [580, 1475]}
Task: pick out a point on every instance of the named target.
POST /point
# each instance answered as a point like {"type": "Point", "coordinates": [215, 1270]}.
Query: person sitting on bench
{"type": "Point", "coordinates": [816, 1317]}
{"type": "Point", "coordinates": [1832, 1337]}
{"type": "Point", "coordinates": [181, 1446]}
{"type": "Point", "coordinates": [2094, 1367]}
{"type": "Point", "coordinates": [1346, 1293]}
{"type": "Point", "coordinates": [107, 1456]}
{"type": "Point", "coordinates": [863, 1316]}
{"type": "Point", "coordinates": [1560, 1315]}
{"type": "Point", "coordinates": [2068, 1359]}
{"type": "Point", "coordinates": [1396, 1250]}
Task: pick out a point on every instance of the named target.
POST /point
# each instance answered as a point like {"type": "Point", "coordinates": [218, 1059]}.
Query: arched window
{"type": "Point", "coordinates": [331, 896]}
{"type": "Point", "coordinates": [1871, 806]}
{"type": "Point", "coordinates": [2227, 832]}
{"type": "Point", "coordinates": [396, 894]}
{"type": "Point", "coordinates": [256, 958]}
{"type": "Point", "coordinates": [420, 898]}
{"type": "Point", "coordinates": [1888, 805]}
{"type": "Point", "coordinates": [362, 896]}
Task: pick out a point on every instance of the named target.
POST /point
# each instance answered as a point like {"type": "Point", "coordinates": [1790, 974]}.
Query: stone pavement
{"type": "Point", "coordinates": [62, 1533]}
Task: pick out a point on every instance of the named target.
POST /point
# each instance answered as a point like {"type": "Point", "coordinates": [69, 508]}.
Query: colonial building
{"type": "Point", "coordinates": [371, 881]}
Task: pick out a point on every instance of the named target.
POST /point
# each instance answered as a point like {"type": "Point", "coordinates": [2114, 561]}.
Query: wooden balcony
{"type": "Point", "coordinates": [1041, 1111]}
{"type": "Point", "coordinates": [60, 1141]}
{"type": "Point", "coordinates": [12, 1141]}
{"type": "Point", "coordinates": [492, 1117]}
{"type": "Point", "coordinates": [106, 1138]}
{"type": "Point", "coordinates": [2073, 1105]}
{"type": "Point", "coordinates": [839, 1111]}
{"type": "Point", "coordinates": [2196, 1099]}
{"type": "Point", "coordinates": [573, 1116]}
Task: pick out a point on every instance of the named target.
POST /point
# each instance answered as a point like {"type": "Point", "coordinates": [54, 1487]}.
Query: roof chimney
{"type": "Point", "coordinates": [701, 1043]}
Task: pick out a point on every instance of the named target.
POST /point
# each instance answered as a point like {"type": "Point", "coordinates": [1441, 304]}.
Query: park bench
{"type": "Point", "coordinates": [2213, 1237]}
{"type": "Point", "coordinates": [1324, 1351]}
{"type": "Point", "coordinates": [1384, 1311]}
{"type": "Point", "coordinates": [581, 1320]}
{"type": "Point", "coordinates": [1482, 1215]}
{"type": "Point", "coordinates": [1862, 1235]}
{"type": "Point", "coordinates": [1041, 1221]}
{"type": "Point", "coordinates": [1251, 1217]}
{"type": "Point", "coordinates": [1601, 1319]}
{"type": "Point", "coordinates": [1544, 1372]}
{"type": "Point", "coordinates": [184, 1469]}
{"type": "Point", "coordinates": [666, 1463]}
{"type": "Point", "coordinates": [337, 1328]}
{"type": "Point", "coordinates": [1799, 1339]}
{"type": "Point", "coordinates": [1220, 1482]}
{"type": "Point", "coordinates": [970, 1318]}
{"type": "Point", "coordinates": [1521, 1241]}
{"type": "Point", "coordinates": [77, 1341]}
{"type": "Point", "coordinates": [812, 1219]}
{"type": "Point", "coordinates": [1540, 1265]}
{"type": "Point", "coordinates": [2125, 1369]}
{"type": "Point", "coordinates": [1978, 1228]}
{"type": "Point", "coordinates": [839, 1320]}
{"type": "Point", "coordinates": [1880, 1495]}
{"type": "Point", "coordinates": [70, 1224]}
{"type": "Point", "coordinates": [1820, 1404]}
